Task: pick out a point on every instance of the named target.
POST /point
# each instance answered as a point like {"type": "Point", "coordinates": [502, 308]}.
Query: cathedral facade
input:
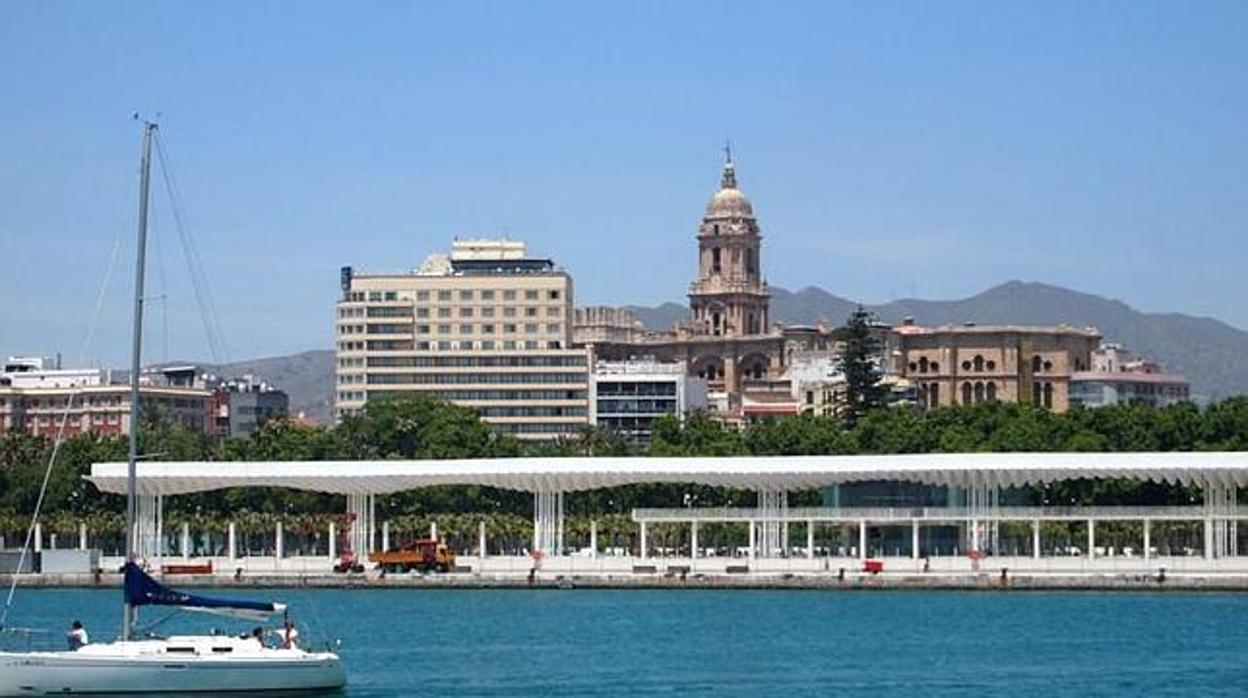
{"type": "Point", "coordinates": [728, 339]}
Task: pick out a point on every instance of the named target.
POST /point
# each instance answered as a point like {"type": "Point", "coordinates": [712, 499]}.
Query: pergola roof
{"type": "Point", "coordinates": [770, 472]}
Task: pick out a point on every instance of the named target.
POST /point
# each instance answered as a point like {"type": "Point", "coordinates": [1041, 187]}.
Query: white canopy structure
{"type": "Point", "coordinates": [979, 476]}
{"type": "Point", "coordinates": [782, 473]}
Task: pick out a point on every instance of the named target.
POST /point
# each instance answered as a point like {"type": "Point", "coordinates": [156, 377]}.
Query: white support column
{"type": "Point", "coordinates": [160, 527]}
{"type": "Point", "coordinates": [370, 533]}
{"type": "Point", "coordinates": [433, 530]}
{"type": "Point", "coordinates": [548, 521]}
{"type": "Point", "coordinates": [753, 540]}
{"type": "Point", "coordinates": [1207, 553]}
{"type": "Point", "coordinates": [810, 540]}
{"type": "Point", "coordinates": [593, 537]}
{"type": "Point", "coordinates": [482, 551]}
{"type": "Point", "coordinates": [231, 549]}
{"type": "Point", "coordinates": [693, 540]}
{"type": "Point", "coordinates": [560, 548]}
{"type": "Point", "coordinates": [385, 534]}
{"type": "Point", "coordinates": [1091, 538]}
{"type": "Point", "coordinates": [1035, 538]}
{"type": "Point", "coordinates": [914, 539]}
{"type": "Point", "coordinates": [38, 537]}
{"type": "Point", "coordinates": [773, 511]}
{"type": "Point", "coordinates": [1148, 539]}
{"type": "Point", "coordinates": [333, 540]}
{"type": "Point", "coordinates": [279, 541]}
{"type": "Point", "coordinates": [82, 535]}
{"type": "Point", "coordinates": [975, 535]}
{"type": "Point", "coordinates": [643, 546]}
{"type": "Point", "coordinates": [186, 541]}
{"type": "Point", "coordinates": [862, 539]}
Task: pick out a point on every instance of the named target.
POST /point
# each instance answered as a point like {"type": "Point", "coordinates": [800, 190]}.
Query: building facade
{"type": "Point", "coordinates": [47, 402]}
{"type": "Point", "coordinates": [486, 327]}
{"type": "Point", "coordinates": [240, 406]}
{"type": "Point", "coordinates": [598, 324]}
{"type": "Point", "coordinates": [971, 364]}
{"type": "Point", "coordinates": [627, 396]}
{"type": "Point", "coordinates": [1118, 378]}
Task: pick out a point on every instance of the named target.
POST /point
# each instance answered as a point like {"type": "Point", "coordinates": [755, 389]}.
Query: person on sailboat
{"type": "Point", "coordinates": [77, 635]}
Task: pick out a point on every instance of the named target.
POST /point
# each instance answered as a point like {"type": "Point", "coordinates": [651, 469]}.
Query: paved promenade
{"type": "Point", "coordinates": [1020, 573]}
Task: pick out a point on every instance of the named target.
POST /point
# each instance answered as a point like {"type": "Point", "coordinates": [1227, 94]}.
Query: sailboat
{"type": "Point", "coordinates": [180, 663]}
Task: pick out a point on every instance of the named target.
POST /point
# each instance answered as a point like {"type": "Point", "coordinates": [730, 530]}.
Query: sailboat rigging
{"type": "Point", "coordinates": [177, 664]}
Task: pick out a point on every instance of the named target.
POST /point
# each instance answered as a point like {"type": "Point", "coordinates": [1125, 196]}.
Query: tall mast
{"type": "Point", "coordinates": [136, 358]}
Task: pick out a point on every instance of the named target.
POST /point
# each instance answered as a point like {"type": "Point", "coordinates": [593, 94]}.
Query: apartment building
{"type": "Point", "coordinates": [485, 326]}
{"type": "Point", "coordinates": [36, 398]}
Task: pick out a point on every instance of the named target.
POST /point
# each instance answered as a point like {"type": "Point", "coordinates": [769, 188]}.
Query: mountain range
{"type": "Point", "coordinates": [1211, 354]}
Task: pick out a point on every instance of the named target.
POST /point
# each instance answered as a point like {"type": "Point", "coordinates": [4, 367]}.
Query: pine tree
{"type": "Point", "coordinates": [859, 357]}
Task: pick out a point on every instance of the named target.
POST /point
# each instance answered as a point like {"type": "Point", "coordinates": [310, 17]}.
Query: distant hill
{"type": "Point", "coordinates": [1212, 354]}
{"type": "Point", "coordinates": [307, 378]}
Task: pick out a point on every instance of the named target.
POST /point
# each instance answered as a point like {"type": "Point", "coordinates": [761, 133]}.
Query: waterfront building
{"type": "Point", "coordinates": [970, 364]}
{"type": "Point", "coordinates": [36, 398]}
{"type": "Point", "coordinates": [627, 396]}
{"type": "Point", "coordinates": [485, 326]}
{"type": "Point", "coordinates": [1116, 377]}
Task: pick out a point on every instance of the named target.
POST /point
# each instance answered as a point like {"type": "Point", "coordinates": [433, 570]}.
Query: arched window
{"type": "Point", "coordinates": [992, 392]}
{"type": "Point", "coordinates": [933, 395]}
{"type": "Point", "coordinates": [1035, 363]}
{"type": "Point", "coordinates": [758, 371]}
{"type": "Point", "coordinates": [1036, 396]}
{"type": "Point", "coordinates": [914, 366]}
{"type": "Point", "coordinates": [1048, 396]}
{"type": "Point", "coordinates": [923, 365]}
{"type": "Point", "coordinates": [979, 393]}
{"type": "Point", "coordinates": [935, 367]}
{"type": "Point", "coordinates": [716, 228]}
{"type": "Point", "coordinates": [715, 263]}
{"type": "Point", "coordinates": [979, 363]}
{"type": "Point", "coordinates": [966, 393]}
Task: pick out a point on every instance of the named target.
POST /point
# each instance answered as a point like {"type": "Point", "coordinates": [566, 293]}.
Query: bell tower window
{"type": "Point", "coordinates": [715, 260]}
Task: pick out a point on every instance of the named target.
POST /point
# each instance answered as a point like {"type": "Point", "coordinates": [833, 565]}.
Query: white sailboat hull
{"type": "Point", "coordinates": [166, 666]}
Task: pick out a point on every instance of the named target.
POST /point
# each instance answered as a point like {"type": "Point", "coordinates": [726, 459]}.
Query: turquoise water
{"type": "Point", "coordinates": [751, 643]}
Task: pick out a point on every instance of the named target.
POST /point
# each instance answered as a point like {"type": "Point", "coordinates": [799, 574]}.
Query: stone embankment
{"type": "Point", "coordinates": [981, 581]}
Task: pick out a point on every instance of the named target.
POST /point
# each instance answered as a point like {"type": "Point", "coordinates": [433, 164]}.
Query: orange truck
{"type": "Point", "coordinates": [427, 555]}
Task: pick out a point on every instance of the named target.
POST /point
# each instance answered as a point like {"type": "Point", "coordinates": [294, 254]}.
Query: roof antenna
{"type": "Point", "coordinates": [728, 150]}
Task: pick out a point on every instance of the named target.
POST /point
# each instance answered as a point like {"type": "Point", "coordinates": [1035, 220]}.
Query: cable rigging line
{"type": "Point", "coordinates": [199, 279]}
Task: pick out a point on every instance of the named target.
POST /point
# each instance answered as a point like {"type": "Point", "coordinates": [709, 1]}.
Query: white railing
{"type": "Point", "coordinates": [938, 514]}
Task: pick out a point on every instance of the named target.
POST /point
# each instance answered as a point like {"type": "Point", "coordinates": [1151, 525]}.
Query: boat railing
{"type": "Point", "coordinates": [30, 640]}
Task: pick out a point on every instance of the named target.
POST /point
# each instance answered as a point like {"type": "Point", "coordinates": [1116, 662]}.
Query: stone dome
{"type": "Point", "coordinates": [729, 202]}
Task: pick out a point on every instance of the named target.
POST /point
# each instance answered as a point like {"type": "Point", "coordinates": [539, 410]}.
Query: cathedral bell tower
{"type": "Point", "coordinates": [729, 298]}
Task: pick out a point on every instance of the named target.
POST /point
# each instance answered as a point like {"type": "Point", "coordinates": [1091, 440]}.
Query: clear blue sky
{"type": "Point", "coordinates": [929, 149]}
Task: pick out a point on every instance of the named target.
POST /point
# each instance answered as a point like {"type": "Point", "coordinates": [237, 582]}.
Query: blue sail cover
{"type": "Point", "coordinates": [142, 590]}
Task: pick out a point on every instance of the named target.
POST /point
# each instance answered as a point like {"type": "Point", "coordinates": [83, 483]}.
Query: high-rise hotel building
{"type": "Point", "coordinates": [486, 327]}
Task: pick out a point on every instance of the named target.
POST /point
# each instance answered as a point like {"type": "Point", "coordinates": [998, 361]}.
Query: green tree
{"type": "Point", "coordinates": [859, 359]}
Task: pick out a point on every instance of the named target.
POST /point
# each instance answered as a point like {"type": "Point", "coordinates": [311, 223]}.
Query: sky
{"type": "Point", "coordinates": [891, 150]}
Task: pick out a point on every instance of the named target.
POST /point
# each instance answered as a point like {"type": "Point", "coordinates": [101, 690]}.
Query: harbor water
{"type": "Point", "coordinates": [742, 643]}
